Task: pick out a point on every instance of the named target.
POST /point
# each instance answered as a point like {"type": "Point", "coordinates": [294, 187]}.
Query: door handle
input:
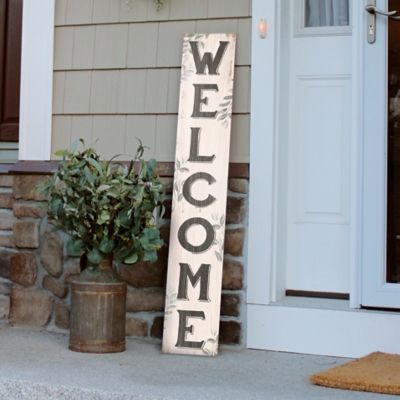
{"type": "Point", "coordinates": [375, 10]}
{"type": "Point", "coordinates": [372, 10]}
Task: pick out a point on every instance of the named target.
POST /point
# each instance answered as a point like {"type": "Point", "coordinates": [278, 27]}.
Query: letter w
{"type": "Point", "coordinates": [202, 275]}
{"type": "Point", "coordinates": [208, 60]}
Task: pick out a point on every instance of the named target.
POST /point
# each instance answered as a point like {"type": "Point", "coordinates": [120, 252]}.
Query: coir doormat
{"type": "Point", "coordinates": [378, 372]}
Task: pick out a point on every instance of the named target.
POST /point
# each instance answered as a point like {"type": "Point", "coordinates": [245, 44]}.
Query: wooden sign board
{"type": "Point", "coordinates": [193, 297]}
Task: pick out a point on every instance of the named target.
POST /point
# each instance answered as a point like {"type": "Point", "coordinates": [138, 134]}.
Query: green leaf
{"type": "Point", "coordinates": [73, 146]}
{"type": "Point", "coordinates": [124, 219]}
{"type": "Point", "coordinates": [107, 245]}
{"type": "Point", "coordinates": [75, 246]}
{"type": "Point", "coordinates": [131, 259]}
{"type": "Point", "coordinates": [144, 241]}
{"type": "Point", "coordinates": [95, 164]}
{"type": "Point", "coordinates": [88, 175]}
{"type": "Point", "coordinates": [105, 216]}
{"type": "Point", "coordinates": [94, 256]}
{"type": "Point", "coordinates": [153, 163]}
{"type": "Point", "coordinates": [162, 211]}
{"type": "Point", "coordinates": [150, 256]}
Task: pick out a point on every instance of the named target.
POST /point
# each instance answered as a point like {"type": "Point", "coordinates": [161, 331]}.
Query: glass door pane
{"type": "Point", "coordinates": [393, 156]}
{"type": "Point", "coordinates": [326, 13]}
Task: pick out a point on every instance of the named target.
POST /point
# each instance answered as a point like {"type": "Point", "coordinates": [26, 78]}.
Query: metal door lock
{"type": "Point", "coordinates": [372, 10]}
{"type": "Point", "coordinates": [371, 30]}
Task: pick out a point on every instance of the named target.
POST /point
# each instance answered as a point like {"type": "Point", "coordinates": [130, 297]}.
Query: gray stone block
{"type": "Point", "coordinates": [23, 268]}
{"type": "Point", "coordinates": [30, 307]}
{"type": "Point", "coordinates": [52, 253]}
{"type": "Point", "coordinates": [26, 234]}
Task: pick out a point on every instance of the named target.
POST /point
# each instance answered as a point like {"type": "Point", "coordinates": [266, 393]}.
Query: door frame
{"type": "Point", "coordinates": [266, 283]}
{"type": "Point", "coordinates": [340, 329]}
{"type": "Point", "coordinates": [376, 291]}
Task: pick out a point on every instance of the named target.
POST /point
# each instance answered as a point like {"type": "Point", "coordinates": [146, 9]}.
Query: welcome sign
{"type": "Point", "coordinates": [193, 297]}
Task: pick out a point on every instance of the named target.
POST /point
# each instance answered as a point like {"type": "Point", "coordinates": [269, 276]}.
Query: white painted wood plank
{"type": "Point", "coordinates": [36, 77]}
{"type": "Point", "coordinates": [191, 324]}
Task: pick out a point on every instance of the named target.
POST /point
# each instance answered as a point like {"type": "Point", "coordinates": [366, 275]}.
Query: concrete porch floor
{"type": "Point", "coordinates": [36, 364]}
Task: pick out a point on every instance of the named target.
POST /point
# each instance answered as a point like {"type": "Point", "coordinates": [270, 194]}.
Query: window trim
{"type": "Point", "coordinates": [301, 30]}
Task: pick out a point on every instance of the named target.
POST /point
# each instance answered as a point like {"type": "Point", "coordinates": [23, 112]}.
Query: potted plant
{"type": "Point", "coordinates": [107, 209]}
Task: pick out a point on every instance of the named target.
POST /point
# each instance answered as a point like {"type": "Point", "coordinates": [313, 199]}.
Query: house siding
{"type": "Point", "coordinates": [117, 63]}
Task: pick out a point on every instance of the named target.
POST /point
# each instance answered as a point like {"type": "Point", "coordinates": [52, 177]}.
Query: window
{"type": "Point", "coordinates": [322, 18]}
{"type": "Point", "coordinates": [326, 13]}
{"type": "Point", "coordinates": [10, 68]}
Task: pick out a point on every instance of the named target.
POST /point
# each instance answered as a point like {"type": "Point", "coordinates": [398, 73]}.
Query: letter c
{"type": "Point", "coordinates": [188, 185]}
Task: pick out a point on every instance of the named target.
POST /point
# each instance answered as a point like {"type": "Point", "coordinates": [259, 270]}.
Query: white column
{"type": "Point", "coordinates": [36, 80]}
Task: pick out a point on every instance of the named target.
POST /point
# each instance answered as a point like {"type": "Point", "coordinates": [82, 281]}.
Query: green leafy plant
{"type": "Point", "coordinates": [105, 206]}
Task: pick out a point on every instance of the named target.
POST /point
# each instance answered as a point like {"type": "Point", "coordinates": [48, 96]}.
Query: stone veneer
{"type": "Point", "coordinates": [36, 272]}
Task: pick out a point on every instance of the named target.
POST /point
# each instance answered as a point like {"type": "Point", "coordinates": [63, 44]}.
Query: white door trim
{"type": "Point", "coordinates": [36, 80]}
{"type": "Point", "coordinates": [263, 285]}
{"type": "Point", "coordinates": [358, 39]}
{"type": "Point", "coordinates": [262, 155]}
{"type": "Point", "coordinates": [376, 291]}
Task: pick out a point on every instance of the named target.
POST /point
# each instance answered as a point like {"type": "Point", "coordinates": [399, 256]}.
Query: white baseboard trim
{"type": "Point", "coordinates": [333, 332]}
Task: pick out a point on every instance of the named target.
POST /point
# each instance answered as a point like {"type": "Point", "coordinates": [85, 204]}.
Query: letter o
{"type": "Point", "coordinates": [210, 235]}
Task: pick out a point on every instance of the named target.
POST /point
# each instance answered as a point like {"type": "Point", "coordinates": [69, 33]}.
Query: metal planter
{"type": "Point", "coordinates": [98, 307]}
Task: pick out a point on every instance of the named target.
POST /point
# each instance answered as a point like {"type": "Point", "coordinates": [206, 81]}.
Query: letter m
{"type": "Point", "coordinates": [202, 275]}
{"type": "Point", "coordinates": [208, 60]}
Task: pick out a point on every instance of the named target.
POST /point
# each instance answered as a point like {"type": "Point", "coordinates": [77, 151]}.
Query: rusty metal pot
{"type": "Point", "coordinates": [98, 306]}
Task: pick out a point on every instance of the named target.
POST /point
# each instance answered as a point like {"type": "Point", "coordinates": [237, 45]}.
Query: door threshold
{"type": "Point", "coordinates": [326, 304]}
{"type": "Point", "coordinates": [322, 327]}
{"type": "Point", "coordinates": [312, 302]}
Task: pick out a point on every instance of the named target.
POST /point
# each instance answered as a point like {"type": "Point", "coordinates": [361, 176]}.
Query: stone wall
{"type": "Point", "coordinates": [36, 272]}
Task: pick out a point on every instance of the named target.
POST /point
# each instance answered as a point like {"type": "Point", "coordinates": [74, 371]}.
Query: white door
{"type": "Point", "coordinates": [319, 140]}
{"type": "Point", "coordinates": [381, 160]}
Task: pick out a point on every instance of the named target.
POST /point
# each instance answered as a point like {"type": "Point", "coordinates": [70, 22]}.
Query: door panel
{"type": "Point", "coordinates": [323, 148]}
{"type": "Point", "coordinates": [318, 222]}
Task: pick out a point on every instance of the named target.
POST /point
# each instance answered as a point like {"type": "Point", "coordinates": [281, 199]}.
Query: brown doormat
{"type": "Point", "coordinates": [378, 372]}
